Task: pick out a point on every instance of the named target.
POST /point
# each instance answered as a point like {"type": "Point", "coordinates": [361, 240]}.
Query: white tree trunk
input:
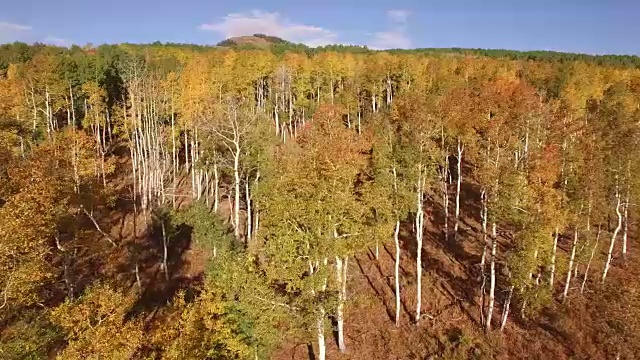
{"type": "Point", "coordinates": [320, 329]}
{"type": "Point", "coordinates": [553, 259]}
{"type": "Point", "coordinates": [236, 185]}
{"type": "Point", "coordinates": [249, 215]}
{"type": "Point", "coordinates": [483, 216]}
{"type": "Point", "coordinates": [492, 288]}
{"type": "Point", "coordinates": [485, 249]}
{"type": "Point", "coordinates": [276, 115]}
{"type": "Point", "coordinates": [341, 275]}
{"type": "Point", "coordinates": [174, 155]}
{"type": "Point", "coordinates": [164, 251]}
{"type": "Point", "coordinates": [137, 271]}
{"type": "Point", "coordinates": [186, 152]}
{"type": "Point", "coordinates": [320, 318]}
{"type": "Point", "coordinates": [625, 230]}
{"type": "Point", "coordinates": [607, 264]}
{"type": "Point", "coordinates": [419, 237]}
{"type": "Point", "coordinates": [571, 259]}
{"type": "Point", "coordinates": [445, 195]}
{"type": "Point", "coordinates": [593, 252]}
{"type": "Point", "coordinates": [193, 169]}
{"type": "Point", "coordinates": [505, 310]}
{"type": "Point", "coordinates": [397, 270]}
{"type": "Point", "coordinates": [459, 182]}
{"type": "Point", "coordinates": [216, 188]}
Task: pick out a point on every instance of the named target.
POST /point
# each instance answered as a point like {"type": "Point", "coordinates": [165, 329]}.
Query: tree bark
{"type": "Point", "coordinates": [483, 216]}
{"type": "Point", "coordinates": [249, 215]}
{"type": "Point", "coordinates": [341, 275]}
{"type": "Point", "coordinates": [593, 252]}
{"type": "Point", "coordinates": [492, 288]}
{"type": "Point", "coordinates": [164, 251]}
{"type": "Point", "coordinates": [419, 224]}
{"type": "Point", "coordinates": [174, 155]}
{"type": "Point", "coordinates": [397, 270]}
{"type": "Point", "coordinates": [320, 330]}
{"type": "Point", "coordinates": [607, 264]}
{"type": "Point", "coordinates": [505, 310]}
{"type": "Point", "coordinates": [445, 194]}
{"type": "Point", "coordinates": [459, 182]}
{"type": "Point", "coordinates": [625, 229]}
{"type": "Point", "coordinates": [236, 185]}
{"type": "Point", "coordinates": [553, 259]}
{"type": "Point", "coordinates": [571, 259]}
{"type": "Point", "coordinates": [216, 188]}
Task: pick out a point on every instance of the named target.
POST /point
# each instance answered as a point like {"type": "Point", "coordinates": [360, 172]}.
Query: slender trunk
{"type": "Point", "coordinates": [174, 157]}
{"type": "Point", "coordinates": [377, 250]}
{"type": "Point", "coordinates": [138, 281]}
{"type": "Point", "coordinates": [492, 287]}
{"type": "Point", "coordinates": [216, 188]}
{"type": "Point", "coordinates": [194, 192]}
{"type": "Point", "coordinates": [553, 259]}
{"type": "Point", "coordinates": [571, 259]}
{"type": "Point", "coordinates": [419, 221]}
{"type": "Point", "coordinates": [320, 329]}
{"type": "Point", "coordinates": [164, 251]}
{"type": "Point", "coordinates": [277, 118]}
{"type": "Point", "coordinates": [445, 194]}
{"type": "Point", "coordinates": [321, 314]}
{"type": "Point", "coordinates": [593, 252]}
{"type": "Point", "coordinates": [505, 310]}
{"type": "Point", "coordinates": [607, 264]}
{"type": "Point", "coordinates": [249, 215]}
{"type": "Point", "coordinates": [397, 270]}
{"type": "Point", "coordinates": [625, 229]}
{"type": "Point", "coordinates": [457, 223]}
{"type": "Point", "coordinates": [186, 152]}
{"type": "Point", "coordinates": [483, 216]}
{"type": "Point", "coordinates": [257, 221]}
{"type": "Point", "coordinates": [67, 279]}
{"type": "Point", "coordinates": [236, 184]}
{"type": "Point", "coordinates": [341, 275]}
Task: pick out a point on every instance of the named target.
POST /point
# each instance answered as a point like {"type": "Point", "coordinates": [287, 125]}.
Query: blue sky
{"type": "Point", "coordinates": [589, 26]}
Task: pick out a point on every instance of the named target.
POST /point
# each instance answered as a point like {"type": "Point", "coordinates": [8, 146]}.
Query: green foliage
{"type": "Point", "coordinates": [31, 337]}
{"type": "Point", "coordinates": [550, 138]}
{"type": "Point", "coordinates": [208, 230]}
{"type": "Point", "coordinates": [97, 325]}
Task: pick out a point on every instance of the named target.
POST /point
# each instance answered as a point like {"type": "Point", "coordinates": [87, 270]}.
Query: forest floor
{"type": "Point", "coordinates": [450, 327]}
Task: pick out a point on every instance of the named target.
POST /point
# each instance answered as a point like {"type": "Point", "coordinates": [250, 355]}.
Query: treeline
{"type": "Point", "coordinates": [282, 168]}
{"type": "Point", "coordinates": [21, 52]}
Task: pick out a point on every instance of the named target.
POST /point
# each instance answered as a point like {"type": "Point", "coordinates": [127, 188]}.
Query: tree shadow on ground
{"type": "Point", "coordinates": [157, 288]}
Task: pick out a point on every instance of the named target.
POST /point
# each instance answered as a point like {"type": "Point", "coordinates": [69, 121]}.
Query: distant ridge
{"type": "Point", "coordinates": [255, 40]}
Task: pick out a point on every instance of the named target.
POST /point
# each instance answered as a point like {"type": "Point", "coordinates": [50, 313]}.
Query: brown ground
{"type": "Point", "coordinates": [450, 328]}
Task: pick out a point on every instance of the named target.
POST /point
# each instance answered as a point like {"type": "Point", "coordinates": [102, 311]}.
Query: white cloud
{"type": "Point", "coordinates": [10, 32]}
{"type": "Point", "coordinates": [398, 15]}
{"type": "Point", "coordinates": [396, 37]}
{"type": "Point", "coordinates": [270, 23]}
{"type": "Point", "coordinates": [57, 41]}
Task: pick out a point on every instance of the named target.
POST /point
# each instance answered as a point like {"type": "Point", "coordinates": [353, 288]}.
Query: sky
{"type": "Point", "coordinates": [585, 26]}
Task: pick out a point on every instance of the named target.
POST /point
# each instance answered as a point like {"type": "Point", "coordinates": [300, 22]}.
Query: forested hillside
{"type": "Point", "coordinates": [187, 202]}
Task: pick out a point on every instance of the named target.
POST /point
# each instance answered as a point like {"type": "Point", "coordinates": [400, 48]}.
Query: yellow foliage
{"type": "Point", "coordinates": [97, 326]}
